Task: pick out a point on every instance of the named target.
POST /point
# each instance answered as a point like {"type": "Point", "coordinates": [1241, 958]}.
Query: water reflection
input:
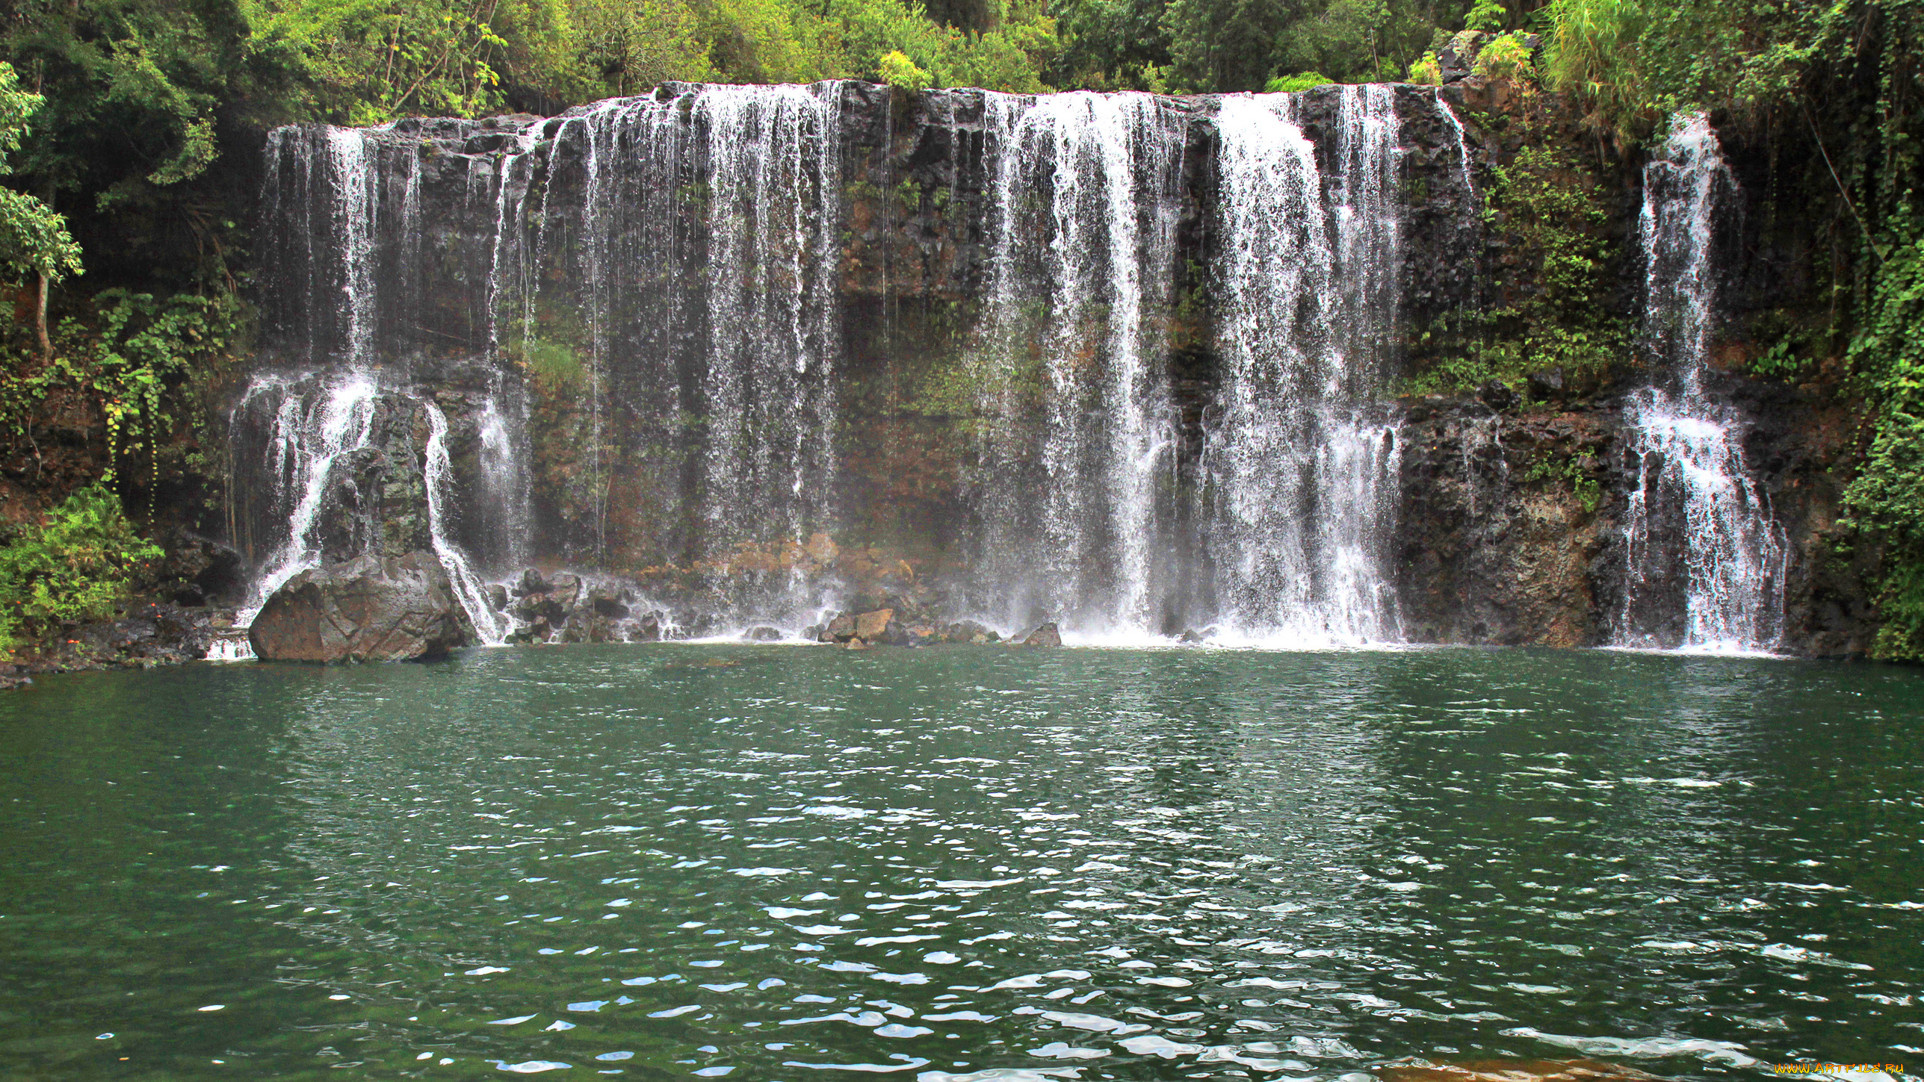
{"type": "Point", "coordinates": [945, 864]}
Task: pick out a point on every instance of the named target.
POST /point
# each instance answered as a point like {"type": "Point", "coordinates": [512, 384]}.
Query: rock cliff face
{"type": "Point", "coordinates": [983, 346]}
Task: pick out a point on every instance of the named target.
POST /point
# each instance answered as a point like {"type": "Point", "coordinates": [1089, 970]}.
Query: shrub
{"type": "Point", "coordinates": [76, 565]}
{"type": "Point", "coordinates": [1507, 56]}
{"type": "Point", "coordinates": [898, 71]}
{"type": "Point", "coordinates": [1302, 80]}
{"type": "Point", "coordinates": [1426, 70]}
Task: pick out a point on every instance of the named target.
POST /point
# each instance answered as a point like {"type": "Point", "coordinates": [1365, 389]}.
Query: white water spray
{"type": "Point", "coordinates": [1704, 561]}
{"type": "Point", "coordinates": [1301, 466]}
{"type": "Point", "coordinates": [1079, 278]}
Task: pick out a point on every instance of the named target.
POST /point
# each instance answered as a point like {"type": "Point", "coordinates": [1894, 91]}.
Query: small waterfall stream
{"type": "Point", "coordinates": [1704, 561]}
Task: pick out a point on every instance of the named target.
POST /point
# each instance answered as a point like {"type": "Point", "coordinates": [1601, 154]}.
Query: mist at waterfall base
{"type": "Point", "coordinates": [690, 248]}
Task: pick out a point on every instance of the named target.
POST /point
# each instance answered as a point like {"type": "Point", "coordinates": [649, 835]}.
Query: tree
{"type": "Point", "coordinates": [33, 237]}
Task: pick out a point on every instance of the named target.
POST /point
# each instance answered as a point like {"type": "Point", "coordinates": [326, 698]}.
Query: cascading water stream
{"type": "Point", "coordinates": [491, 627]}
{"type": "Point", "coordinates": [1301, 464]}
{"type": "Point", "coordinates": [774, 176]}
{"type": "Point", "coordinates": [310, 437]}
{"type": "Point", "coordinates": [1704, 561]}
{"type": "Point", "coordinates": [1083, 430]}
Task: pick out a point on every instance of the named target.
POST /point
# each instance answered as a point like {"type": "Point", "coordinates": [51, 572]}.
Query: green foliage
{"type": "Point", "coordinates": [1780, 362]}
{"type": "Point", "coordinates": [1593, 52]}
{"type": "Point", "coordinates": [1548, 201]}
{"type": "Point", "coordinates": [1290, 84]}
{"type": "Point", "coordinates": [1426, 70]}
{"type": "Point", "coordinates": [1506, 56]}
{"type": "Point", "coordinates": [1486, 16]}
{"type": "Point", "coordinates": [133, 363]}
{"type": "Point", "coordinates": [556, 368]}
{"type": "Point", "coordinates": [1573, 472]}
{"type": "Point", "coordinates": [619, 47]}
{"type": "Point", "coordinates": [33, 239]}
{"type": "Point", "coordinates": [1888, 494]}
{"type": "Point", "coordinates": [77, 565]}
{"type": "Point", "coordinates": [897, 70]}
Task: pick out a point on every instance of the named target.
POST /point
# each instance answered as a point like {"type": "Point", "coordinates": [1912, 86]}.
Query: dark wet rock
{"type": "Point", "coordinates": [969, 631]}
{"type": "Point", "coordinates": [1547, 385]}
{"type": "Point", "coordinates": [1497, 396]}
{"type": "Point", "coordinates": [1046, 635]}
{"type": "Point", "coordinates": [532, 582]}
{"type": "Point", "coordinates": [539, 608]}
{"type": "Point", "coordinates": [1191, 635]}
{"type": "Point", "coordinates": [564, 588]}
{"type": "Point", "coordinates": [646, 629]}
{"type": "Point", "coordinates": [197, 571]}
{"type": "Point", "coordinates": [763, 633]}
{"type": "Point", "coordinates": [609, 602]}
{"type": "Point", "coordinates": [12, 681]}
{"type": "Point", "coordinates": [497, 597]}
{"type": "Point", "coordinates": [839, 629]}
{"type": "Point", "coordinates": [367, 609]}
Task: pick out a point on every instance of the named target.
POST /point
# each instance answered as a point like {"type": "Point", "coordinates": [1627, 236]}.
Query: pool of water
{"type": "Point", "coordinates": [960, 863]}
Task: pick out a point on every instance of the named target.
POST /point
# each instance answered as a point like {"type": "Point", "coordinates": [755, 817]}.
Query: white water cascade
{"type": "Point", "coordinates": [773, 159]}
{"type": "Point", "coordinates": [311, 435]}
{"type": "Point", "coordinates": [1704, 561]}
{"type": "Point", "coordinates": [491, 627]}
{"type": "Point", "coordinates": [1084, 254]}
{"type": "Point", "coordinates": [326, 187]}
{"type": "Point", "coordinates": [1301, 466]}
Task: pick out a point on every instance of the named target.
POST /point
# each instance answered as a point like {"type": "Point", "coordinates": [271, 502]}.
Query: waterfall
{"type": "Point", "coordinates": [617, 340]}
{"type": "Point", "coordinates": [311, 435]}
{"type": "Point", "coordinates": [664, 269]}
{"type": "Point", "coordinates": [774, 177]}
{"type": "Point", "coordinates": [325, 207]}
{"type": "Point", "coordinates": [1704, 560]}
{"type": "Point", "coordinates": [491, 627]}
{"type": "Point", "coordinates": [1301, 464]}
{"type": "Point", "coordinates": [1084, 254]}
{"type": "Point", "coordinates": [1462, 145]}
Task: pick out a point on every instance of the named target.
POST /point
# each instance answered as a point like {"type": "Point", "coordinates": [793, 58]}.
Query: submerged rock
{"type": "Point", "coordinates": [1046, 635]}
{"type": "Point", "coordinates": [366, 609]}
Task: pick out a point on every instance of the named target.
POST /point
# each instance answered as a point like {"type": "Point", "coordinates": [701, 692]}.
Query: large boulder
{"type": "Point", "coordinates": [367, 609]}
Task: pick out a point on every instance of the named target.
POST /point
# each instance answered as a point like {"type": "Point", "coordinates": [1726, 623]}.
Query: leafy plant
{"type": "Point", "coordinates": [1570, 471]}
{"type": "Point", "coordinates": [1888, 494]}
{"type": "Point", "coordinates": [75, 566]}
{"type": "Point", "coordinates": [1506, 56]}
{"type": "Point", "coordinates": [1290, 84]}
{"type": "Point", "coordinates": [897, 70]}
{"type": "Point", "coordinates": [1426, 70]}
{"type": "Point", "coordinates": [1486, 16]}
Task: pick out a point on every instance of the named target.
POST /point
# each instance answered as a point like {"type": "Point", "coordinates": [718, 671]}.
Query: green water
{"type": "Point", "coordinates": [781, 863]}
